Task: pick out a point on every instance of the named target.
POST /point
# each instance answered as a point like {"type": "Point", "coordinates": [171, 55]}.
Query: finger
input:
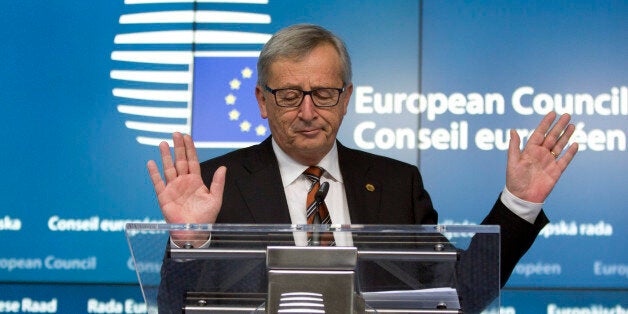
{"type": "Point", "coordinates": [554, 133]}
{"type": "Point", "coordinates": [190, 152]}
{"type": "Point", "coordinates": [155, 177]}
{"type": "Point", "coordinates": [513, 147]}
{"type": "Point", "coordinates": [166, 160]}
{"type": "Point", "coordinates": [217, 186]}
{"type": "Point", "coordinates": [538, 136]}
{"type": "Point", "coordinates": [564, 161]}
{"type": "Point", "coordinates": [181, 160]}
{"type": "Point", "coordinates": [563, 139]}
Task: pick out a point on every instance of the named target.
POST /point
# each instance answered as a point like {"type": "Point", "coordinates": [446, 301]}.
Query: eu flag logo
{"type": "Point", "coordinates": [224, 108]}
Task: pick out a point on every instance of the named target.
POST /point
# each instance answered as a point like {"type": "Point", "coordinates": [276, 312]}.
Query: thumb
{"type": "Point", "coordinates": [217, 187]}
{"type": "Point", "coordinates": [513, 147]}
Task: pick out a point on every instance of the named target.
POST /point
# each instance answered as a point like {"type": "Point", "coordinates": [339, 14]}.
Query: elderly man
{"type": "Point", "coordinates": [303, 89]}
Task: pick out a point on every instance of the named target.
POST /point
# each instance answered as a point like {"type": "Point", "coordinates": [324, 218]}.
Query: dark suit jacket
{"type": "Point", "coordinates": [254, 194]}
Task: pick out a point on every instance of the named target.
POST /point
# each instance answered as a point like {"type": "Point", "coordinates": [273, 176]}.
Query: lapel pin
{"type": "Point", "coordinates": [370, 187]}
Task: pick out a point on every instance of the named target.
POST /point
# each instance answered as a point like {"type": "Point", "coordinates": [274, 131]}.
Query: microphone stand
{"type": "Point", "coordinates": [319, 198]}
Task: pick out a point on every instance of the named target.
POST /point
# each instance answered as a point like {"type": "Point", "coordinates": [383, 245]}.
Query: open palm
{"type": "Point", "coordinates": [531, 174]}
{"type": "Point", "coordinates": [183, 197]}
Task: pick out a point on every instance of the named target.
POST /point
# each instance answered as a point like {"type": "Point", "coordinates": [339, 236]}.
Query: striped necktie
{"type": "Point", "coordinates": [314, 209]}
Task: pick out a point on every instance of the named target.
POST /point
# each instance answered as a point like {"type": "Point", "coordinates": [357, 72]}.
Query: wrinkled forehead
{"type": "Point", "coordinates": [321, 65]}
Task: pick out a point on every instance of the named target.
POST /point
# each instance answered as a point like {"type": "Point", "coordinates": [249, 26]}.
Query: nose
{"type": "Point", "coordinates": [307, 110]}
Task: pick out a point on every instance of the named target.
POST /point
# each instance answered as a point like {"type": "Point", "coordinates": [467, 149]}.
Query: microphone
{"type": "Point", "coordinates": [319, 198]}
{"type": "Point", "coordinates": [322, 193]}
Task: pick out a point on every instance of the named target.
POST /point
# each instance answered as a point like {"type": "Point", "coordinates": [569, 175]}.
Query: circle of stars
{"type": "Point", "coordinates": [230, 100]}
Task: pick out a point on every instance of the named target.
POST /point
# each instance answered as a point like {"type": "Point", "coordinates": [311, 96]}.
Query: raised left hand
{"type": "Point", "coordinates": [531, 174]}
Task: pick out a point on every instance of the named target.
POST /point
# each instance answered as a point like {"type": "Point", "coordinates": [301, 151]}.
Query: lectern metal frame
{"type": "Point", "coordinates": [326, 276]}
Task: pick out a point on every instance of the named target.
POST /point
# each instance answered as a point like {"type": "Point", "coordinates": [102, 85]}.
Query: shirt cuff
{"type": "Point", "coordinates": [203, 246]}
{"type": "Point", "coordinates": [524, 209]}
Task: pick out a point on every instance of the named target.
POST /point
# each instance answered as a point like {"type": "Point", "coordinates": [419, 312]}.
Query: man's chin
{"type": "Point", "coordinates": [311, 145]}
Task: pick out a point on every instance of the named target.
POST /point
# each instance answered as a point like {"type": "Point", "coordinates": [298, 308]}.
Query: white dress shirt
{"type": "Point", "coordinates": [296, 186]}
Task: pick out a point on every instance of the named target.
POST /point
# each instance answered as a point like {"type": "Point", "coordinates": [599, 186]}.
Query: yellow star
{"type": "Point", "coordinates": [247, 73]}
{"type": "Point", "coordinates": [234, 115]}
{"type": "Point", "coordinates": [260, 130]}
{"type": "Point", "coordinates": [235, 84]}
{"type": "Point", "coordinates": [245, 126]}
{"type": "Point", "coordinates": [230, 99]}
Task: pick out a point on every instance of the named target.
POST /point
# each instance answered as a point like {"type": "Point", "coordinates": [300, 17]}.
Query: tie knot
{"type": "Point", "coordinates": [313, 173]}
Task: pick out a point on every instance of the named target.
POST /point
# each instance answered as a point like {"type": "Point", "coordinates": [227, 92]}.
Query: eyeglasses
{"type": "Point", "coordinates": [293, 97]}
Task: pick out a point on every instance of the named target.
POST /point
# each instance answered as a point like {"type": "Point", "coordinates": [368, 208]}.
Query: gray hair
{"type": "Point", "coordinates": [297, 41]}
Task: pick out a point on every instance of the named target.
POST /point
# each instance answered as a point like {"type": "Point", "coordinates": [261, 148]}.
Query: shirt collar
{"type": "Point", "coordinates": [290, 169]}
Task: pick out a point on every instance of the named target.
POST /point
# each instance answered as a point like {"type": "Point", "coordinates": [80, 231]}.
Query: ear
{"type": "Point", "coordinates": [345, 97]}
{"type": "Point", "coordinates": [261, 101]}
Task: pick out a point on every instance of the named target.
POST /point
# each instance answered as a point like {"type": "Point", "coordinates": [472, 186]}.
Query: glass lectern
{"type": "Point", "coordinates": [317, 268]}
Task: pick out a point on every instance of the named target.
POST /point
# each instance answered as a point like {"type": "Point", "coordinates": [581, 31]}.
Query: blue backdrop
{"type": "Point", "coordinates": [87, 91]}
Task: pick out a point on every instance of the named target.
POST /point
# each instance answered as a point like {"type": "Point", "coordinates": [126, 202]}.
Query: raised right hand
{"type": "Point", "coordinates": [184, 198]}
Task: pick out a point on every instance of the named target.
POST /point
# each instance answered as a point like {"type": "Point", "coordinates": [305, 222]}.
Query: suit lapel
{"type": "Point", "coordinates": [262, 189]}
{"type": "Point", "coordinates": [362, 187]}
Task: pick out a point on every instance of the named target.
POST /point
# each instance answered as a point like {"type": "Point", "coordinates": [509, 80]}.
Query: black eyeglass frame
{"type": "Point", "coordinates": [305, 93]}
